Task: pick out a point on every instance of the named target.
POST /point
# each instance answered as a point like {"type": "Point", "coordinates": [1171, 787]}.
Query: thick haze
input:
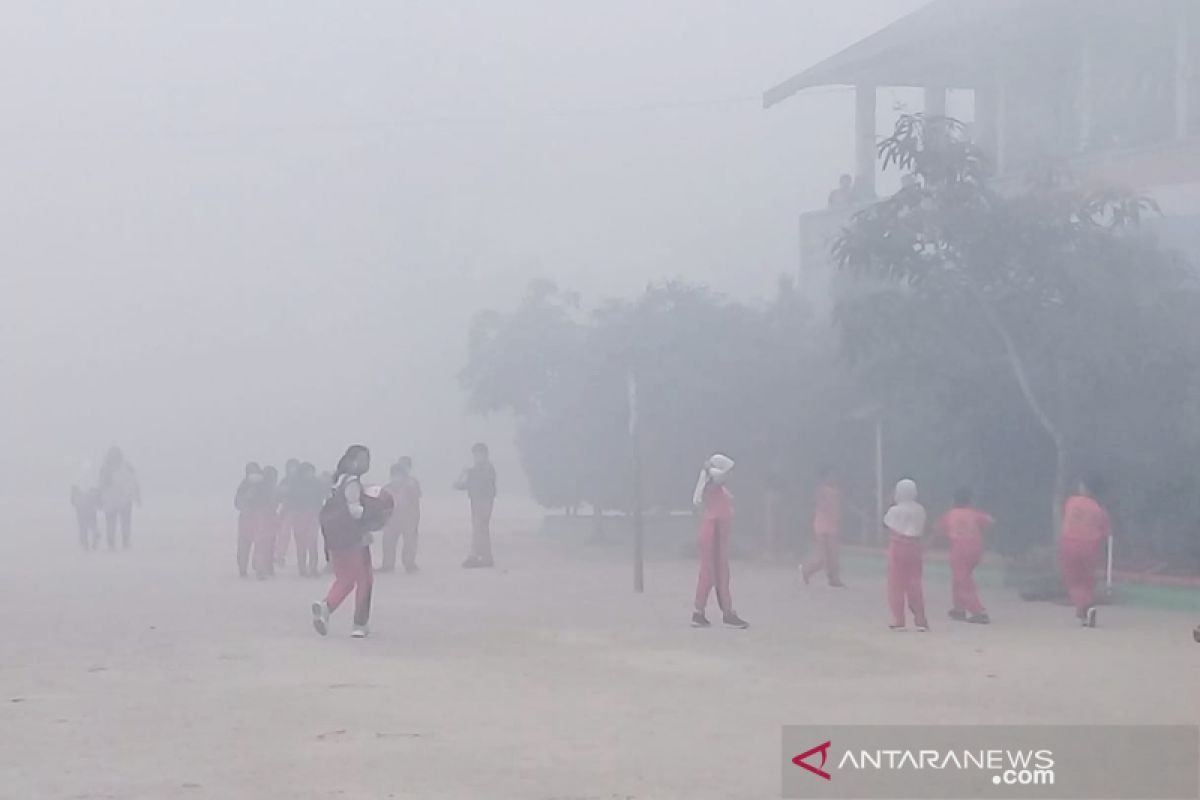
{"type": "Point", "coordinates": [248, 230]}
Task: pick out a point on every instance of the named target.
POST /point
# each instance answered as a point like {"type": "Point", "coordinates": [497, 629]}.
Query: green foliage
{"type": "Point", "coordinates": [1035, 302]}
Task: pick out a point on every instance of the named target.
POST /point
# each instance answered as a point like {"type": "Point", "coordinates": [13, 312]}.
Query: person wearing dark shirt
{"type": "Point", "coordinates": [247, 500]}
{"type": "Point", "coordinates": [307, 497]}
{"type": "Point", "coordinates": [479, 482]}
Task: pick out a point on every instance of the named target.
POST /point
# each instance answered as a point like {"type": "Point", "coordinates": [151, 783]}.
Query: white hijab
{"type": "Point", "coordinates": [907, 516]}
{"type": "Point", "coordinates": [715, 469]}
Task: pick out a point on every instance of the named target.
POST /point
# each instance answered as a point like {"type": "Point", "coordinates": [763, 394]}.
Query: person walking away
{"type": "Point", "coordinates": [310, 496]}
{"type": "Point", "coordinates": [965, 526]}
{"type": "Point", "coordinates": [267, 524]}
{"type": "Point", "coordinates": [905, 523]}
{"type": "Point", "coordinates": [287, 489]}
{"type": "Point", "coordinates": [827, 531]}
{"type": "Point", "coordinates": [347, 541]}
{"type": "Point", "coordinates": [247, 500]}
{"type": "Point", "coordinates": [479, 482]}
{"type": "Point", "coordinates": [1085, 527]}
{"type": "Point", "coordinates": [87, 516]}
{"type": "Point", "coordinates": [405, 522]}
{"type": "Point", "coordinates": [119, 491]}
{"type": "Point", "coordinates": [715, 501]}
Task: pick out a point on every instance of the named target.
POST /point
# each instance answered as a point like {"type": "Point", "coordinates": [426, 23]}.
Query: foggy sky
{"type": "Point", "coordinates": [240, 230]}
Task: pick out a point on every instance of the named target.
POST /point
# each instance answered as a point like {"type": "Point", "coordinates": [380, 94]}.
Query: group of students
{"type": "Point", "coordinates": [273, 513]}
{"type": "Point", "coordinates": [115, 492]}
{"type": "Point", "coordinates": [336, 515]}
{"type": "Point", "coordinates": [1085, 528]}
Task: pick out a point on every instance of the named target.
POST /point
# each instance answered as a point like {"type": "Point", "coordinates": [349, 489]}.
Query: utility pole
{"type": "Point", "coordinates": [635, 448]}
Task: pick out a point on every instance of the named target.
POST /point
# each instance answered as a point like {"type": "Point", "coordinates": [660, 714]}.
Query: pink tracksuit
{"type": "Point", "coordinates": [714, 548]}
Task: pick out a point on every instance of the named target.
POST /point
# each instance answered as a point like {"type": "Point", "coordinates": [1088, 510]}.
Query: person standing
{"type": "Point", "coordinates": [119, 491]}
{"type": "Point", "coordinates": [310, 496]}
{"type": "Point", "coordinates": [905, 523]}
{"type": "Point", "coordinates": [827, 531]}
{"type": "Point", "coordinates": [479, 482]}
{"type": "Point", "coordinates": [965, 526]}
{"type": "Point", "coordinates": [406, 520]}
{"type": "Point", "coordinates": [87, 516]}
{"type": "Point", "coordinates": [287, 497]}
{"type": "Point", "coordinates": [715, 501]}
{"type": "Point", "coordinates": [267, 524]}
{"type": "Point", "coordinates": [247, 500]}
{"type": "Point", "coordinates": [1085, 528]}
{"type": "Point", "coordinates": [348, 543]}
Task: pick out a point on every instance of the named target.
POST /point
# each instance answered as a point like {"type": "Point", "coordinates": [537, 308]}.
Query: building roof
{"type": "Point", "coordinates": [944, 43]}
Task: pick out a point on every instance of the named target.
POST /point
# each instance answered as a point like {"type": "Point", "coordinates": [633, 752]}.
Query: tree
{"type": "Point", "coordinates": [1030, 277]}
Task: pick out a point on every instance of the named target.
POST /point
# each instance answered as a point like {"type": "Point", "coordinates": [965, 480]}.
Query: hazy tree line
{"type": "Point", "coordinates": [1010, 336]}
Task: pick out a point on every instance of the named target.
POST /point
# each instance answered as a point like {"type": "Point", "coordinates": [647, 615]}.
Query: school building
{"type": "Point", "coordinates": [1113, 86]}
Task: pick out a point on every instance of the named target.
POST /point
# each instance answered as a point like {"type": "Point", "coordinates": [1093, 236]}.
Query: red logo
{"type": "Point", "coordinates": [820, 772]}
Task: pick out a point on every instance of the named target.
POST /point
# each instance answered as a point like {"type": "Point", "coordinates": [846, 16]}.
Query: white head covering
{"type": "Point", "coordinates": [907, 516]}
{"type": "Point", "coordinates": [716, 469]}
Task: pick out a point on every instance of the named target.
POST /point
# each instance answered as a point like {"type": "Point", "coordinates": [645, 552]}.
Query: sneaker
{"type": "Point", "coordinates": [411, 568]}
{"type": "Point", "coordinates": [320, 615]}
{"type": "Point", "coordinates": [1089, 617]}
{"type": "Point", "coordinates": [979, 619]}
{"type": "Point", "coordinates": [804, 575]}
{"type": "Point", "coordinates": [360, 632]}
{"type": "Point", "coordinates": [1196, 634]}
{"type": "Point", "coordinates": [699, 620]}
{"type": "Point", "coordinates": [957, 614]}
{"type": "Point", "coordinates": [836, 585]}
{"type": "Point", "coordinates": [734, 621]}
{"type": "Point", "coordinates": [923, 628]}
{"type": "Point", "coordinates": [472, 562]}
{"type": "Point", "coordinates": [897, 628]}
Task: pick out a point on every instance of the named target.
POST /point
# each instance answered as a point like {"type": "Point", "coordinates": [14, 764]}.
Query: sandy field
{"type": "Point", "coordinates": [158, 674]}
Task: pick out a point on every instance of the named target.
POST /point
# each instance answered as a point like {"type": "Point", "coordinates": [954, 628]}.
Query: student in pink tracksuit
{"type": "Point", "coordinates": [716, 503]}
{"type": "Point", "coordinates": [905, 523]}
{"type": "Point", "coordinates": [348, 543]}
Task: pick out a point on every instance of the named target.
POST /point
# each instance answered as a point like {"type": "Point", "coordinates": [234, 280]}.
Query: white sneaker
{"type": "Point", "coordinates": [320, 614]}
{"type": "Point", "coordinates": [360, 632]}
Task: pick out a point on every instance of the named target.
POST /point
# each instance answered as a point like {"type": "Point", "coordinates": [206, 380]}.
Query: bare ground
{"type": "Point", "coordinates": [158, 674]}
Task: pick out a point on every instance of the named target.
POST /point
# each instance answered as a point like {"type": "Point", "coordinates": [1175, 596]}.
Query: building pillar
{"type": "Point", "coordinates": [985, 119]}
{"type": "Point", "coordinates": [1183, 70]}
{"type": "Point", "coordinates": [935, 101]}
{"type": "Point", "coordinates": [1083, 100]}
{"type": "Point", "coordinates": [1001, 124]}
{"type": "Point", "coordinates": [864, 141]}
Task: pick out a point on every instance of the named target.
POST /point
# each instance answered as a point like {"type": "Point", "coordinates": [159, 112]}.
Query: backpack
{"type": "Point", "coordinates": [342, 531]}
{"type": "Point", "coordinates": [378, 505]}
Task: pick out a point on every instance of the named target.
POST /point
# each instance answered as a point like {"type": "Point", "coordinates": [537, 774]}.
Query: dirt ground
{"type": "Point", "coordinates": [158, 674]}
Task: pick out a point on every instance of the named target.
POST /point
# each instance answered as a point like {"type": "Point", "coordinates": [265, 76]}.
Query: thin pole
{"type": "Point", "coordinates": [638, 529]}
{"type": "Point", "coordinates": [1109, 570]}
{"type": "Point", "coordinates": [878, 527]}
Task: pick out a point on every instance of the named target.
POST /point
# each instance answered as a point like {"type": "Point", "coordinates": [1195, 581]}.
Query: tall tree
{"type": "Point", "coordinates": [1051, 281]}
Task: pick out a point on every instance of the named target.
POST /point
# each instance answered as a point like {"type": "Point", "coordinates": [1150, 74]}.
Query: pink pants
{"type": "Point", "coordinates": [283, 535]}
{"type": "Point", "coordinates": [714, 564]}
{"type": "Point", "coordinates": [904, 580]}
{"type": "Point", "coordinates": [352, 571]}
{"type": "Point", "coordinates": [1077, 561]}
{"type": "Point", "coordinates": [964, 557]}
{"type": "Point", "coordinates": [267, 523]}
{"type": "Point", "coordinates": [826, 548]}
{"type": "Point", "coordinates": [307, 530]}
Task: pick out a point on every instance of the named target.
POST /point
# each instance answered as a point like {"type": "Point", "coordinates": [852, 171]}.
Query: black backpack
{"type": "Point", "coordinates": [342, 531]}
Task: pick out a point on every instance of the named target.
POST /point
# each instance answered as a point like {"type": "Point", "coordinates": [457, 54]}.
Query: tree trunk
{"type": "Point", "coordinates": [1017, 365]}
